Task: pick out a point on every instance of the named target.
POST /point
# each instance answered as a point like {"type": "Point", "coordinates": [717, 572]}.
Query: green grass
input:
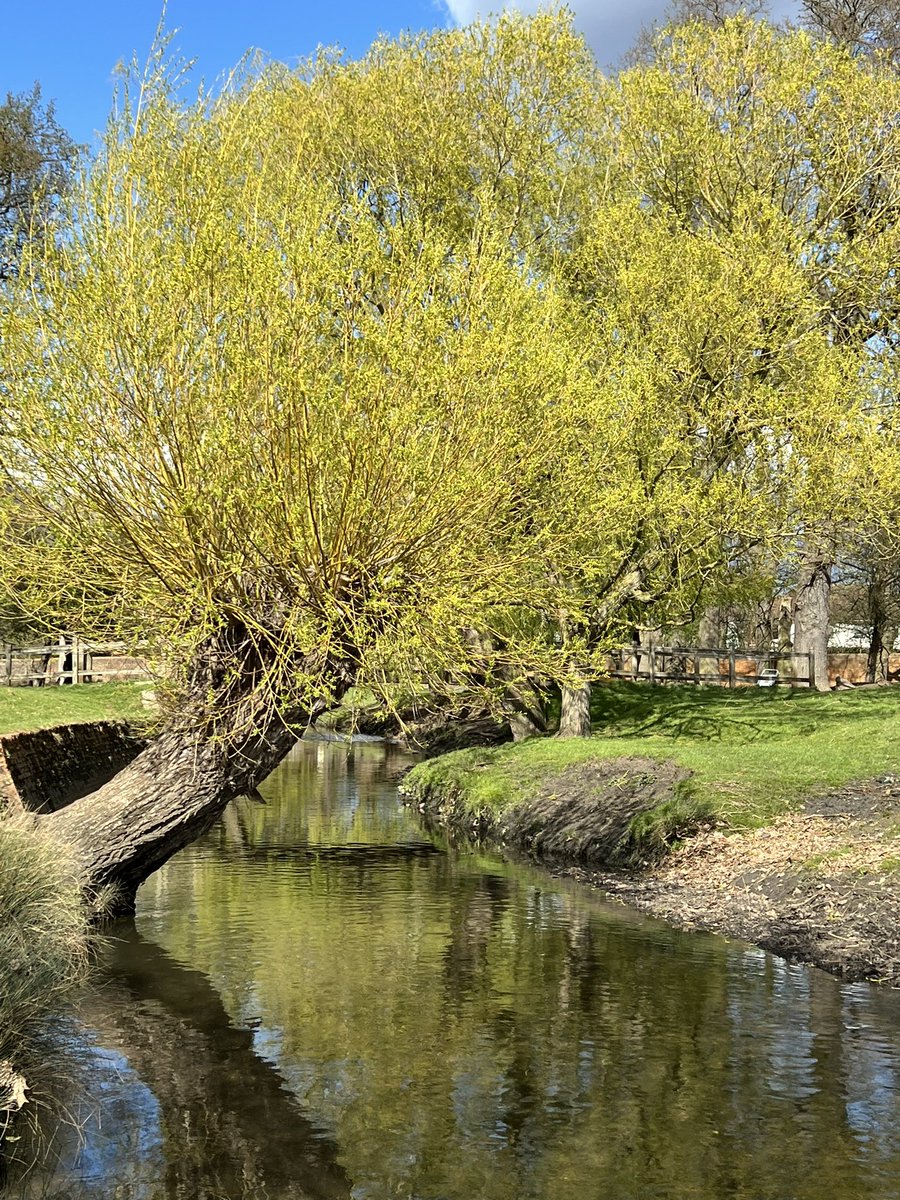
{"type": "Point", "coordinates": [753, 753]}
{"type": "Point", "coordinates": [24, 708]}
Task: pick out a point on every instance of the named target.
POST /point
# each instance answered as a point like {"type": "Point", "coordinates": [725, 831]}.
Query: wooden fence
{"type": "Point", "coordinates": [691, 664]}
{"type": "Point", "coordinates": [69, 660]}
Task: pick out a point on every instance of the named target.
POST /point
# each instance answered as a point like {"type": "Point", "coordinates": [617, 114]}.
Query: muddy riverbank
{"type": "Point", "coordinates": [819, 885]}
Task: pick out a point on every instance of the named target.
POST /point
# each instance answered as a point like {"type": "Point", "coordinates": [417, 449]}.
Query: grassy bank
{"type": "Point", "coordinates": [24, 708]}
{"type": "Point", "coordinates": [752, 754]}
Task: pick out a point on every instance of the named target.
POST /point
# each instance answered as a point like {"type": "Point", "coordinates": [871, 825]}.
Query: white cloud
{"type": "Point", "coordinates": [609, 26]}
{"type": "Point", "coordinates": [463, 11]}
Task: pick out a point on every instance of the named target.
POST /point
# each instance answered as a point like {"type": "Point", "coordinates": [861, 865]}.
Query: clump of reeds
{"type": "Point", "coordinates": [44, 940]}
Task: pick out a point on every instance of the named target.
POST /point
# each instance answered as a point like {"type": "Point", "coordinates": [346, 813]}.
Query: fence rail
{"type": "Point", "coordinates": [660, 661]}
{"type": "Point", "coordinates": [69, 660]}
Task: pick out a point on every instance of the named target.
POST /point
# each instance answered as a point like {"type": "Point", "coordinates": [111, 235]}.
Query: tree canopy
{"type": "Point", "coordinates": [335, 366]}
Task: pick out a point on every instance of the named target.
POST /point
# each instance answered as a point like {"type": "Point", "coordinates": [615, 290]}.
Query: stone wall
{"type": "Point", "coordinates": [47, 769]}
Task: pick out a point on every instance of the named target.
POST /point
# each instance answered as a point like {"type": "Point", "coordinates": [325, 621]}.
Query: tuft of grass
{"type": "Point", "coordinates": [23, 709]}
{"type": "Point", "coordinates": [44, 939]}
{"type": "Point", "coordinates": [652, 834]}
{"type": "Point", "coordinates": [816, 861]}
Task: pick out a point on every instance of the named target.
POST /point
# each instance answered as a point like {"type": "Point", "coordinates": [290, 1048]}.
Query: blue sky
{"type": "Point", "coordinates": [72, 48]}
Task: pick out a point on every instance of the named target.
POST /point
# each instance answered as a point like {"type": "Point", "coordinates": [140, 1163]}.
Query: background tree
{"type": "Point", "coordinates": [713, 13]}
{"type": "Point", "coordinates": [749, 128]}
{"type": "Point", "coordinates": [864, 26]}
{"type": "Point", "coordinates": [37, 157]}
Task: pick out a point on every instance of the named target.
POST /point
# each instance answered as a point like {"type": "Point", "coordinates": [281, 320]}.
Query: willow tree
{"type": "Point", "coordinates": [36, 160]}
{"type": "Point", "coordinates": [710, 371]}
{"type": "Point", "coordinates": [794, 142]}
{"type": "Point", "coordinates": [264, 411]}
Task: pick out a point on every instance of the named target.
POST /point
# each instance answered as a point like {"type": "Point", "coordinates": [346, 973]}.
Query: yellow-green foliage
{"type": "Point", "coordinates": [263, 381]}
{"type": "Point", "coordinates": [43, 936]}
{"type": "Point", "coordinates": [362, 357]}
{"type": "Point", "coordinates": [782, 150]}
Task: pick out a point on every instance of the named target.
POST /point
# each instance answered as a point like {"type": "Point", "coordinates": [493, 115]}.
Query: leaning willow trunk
{"type": "Point", "coordinates": [212, 751]}
{"type": "Point", "coordinates": [169, 795]}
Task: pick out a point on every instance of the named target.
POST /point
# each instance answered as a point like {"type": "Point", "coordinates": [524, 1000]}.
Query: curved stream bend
{"type": "Point", "coordinates": [319, 1001]}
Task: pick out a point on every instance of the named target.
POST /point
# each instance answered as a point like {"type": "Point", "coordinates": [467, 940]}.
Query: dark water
{"type": "Point", "coordinates": [318, 1001]}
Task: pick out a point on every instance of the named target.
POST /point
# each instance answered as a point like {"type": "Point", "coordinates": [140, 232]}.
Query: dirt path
{"type": "Point", "coordinates": [819, 886]}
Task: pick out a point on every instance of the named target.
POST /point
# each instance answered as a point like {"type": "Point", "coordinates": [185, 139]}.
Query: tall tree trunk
{"type": "Point", "coordinates": [811, 612]}
{"type": "Point", "coordinates": [524, 709]}
{"type": "Point", "coordinates": [575, 705]}
{"type": "Point", "coordinates": [575, 712]}
{"type": "Point", "coordinates": [709, 637]}
{"type": "Point", "coordinates": [877, 662]}
{"type": "Point", "coordinates": [782, 625]}
{"type": "Point", "coordinates": [176, 789]}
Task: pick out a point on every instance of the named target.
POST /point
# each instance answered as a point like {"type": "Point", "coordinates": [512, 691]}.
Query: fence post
{"type": "Point", "coordinates": [61, 660]}
{"type": "Point", "coordinates": [76, 659]}
{"type": "Point", "coordinates": [9, 664]}
{"type": "Point", "coordinates": [652, 664]}
{"type": "Point", "coordinates": [732, 670]}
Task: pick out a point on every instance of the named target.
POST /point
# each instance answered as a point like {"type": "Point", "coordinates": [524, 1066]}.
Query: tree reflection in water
{"type": "Point", "coordinates": [195, 1113]}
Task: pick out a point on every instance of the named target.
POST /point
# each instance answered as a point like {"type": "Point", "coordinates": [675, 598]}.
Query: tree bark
{"type": "Point", "coordinates": [168, 796]}
{"type": "Point", "coordinates": [782, 626]}
{"type": "Point", "coordinates": [877, 662]}
{"type": "Point", "coordinates": [811, 612]}
{"type": "Point", "coordinates": [176, 789]}
{"type": "Point", "coordinates": [709, 637]}
{"type": "Point", "coordinates": [524, 710]}
{"type": "Point", "coordinates": [575, 712]}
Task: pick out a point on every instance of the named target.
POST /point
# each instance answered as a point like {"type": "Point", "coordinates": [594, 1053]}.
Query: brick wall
{"type": "Point", "coordinates": [47, 769]}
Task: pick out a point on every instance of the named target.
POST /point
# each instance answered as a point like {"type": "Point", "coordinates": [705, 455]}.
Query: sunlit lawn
{"type": "Point", "coordinates": [26, 708]}
{"type": "Point", "coordinates": [753, 752]}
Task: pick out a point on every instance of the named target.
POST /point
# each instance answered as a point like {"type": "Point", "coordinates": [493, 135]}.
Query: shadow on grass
{"type": "Point", "coordinates": [715, 714]}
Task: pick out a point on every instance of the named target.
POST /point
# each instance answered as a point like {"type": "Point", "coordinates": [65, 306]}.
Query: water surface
{"type": "Point", "coordinates": [319, 1000]}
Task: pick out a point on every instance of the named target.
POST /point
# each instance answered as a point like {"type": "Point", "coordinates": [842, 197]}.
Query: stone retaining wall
{"type": "Point", "coordinates": [47, 769]}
